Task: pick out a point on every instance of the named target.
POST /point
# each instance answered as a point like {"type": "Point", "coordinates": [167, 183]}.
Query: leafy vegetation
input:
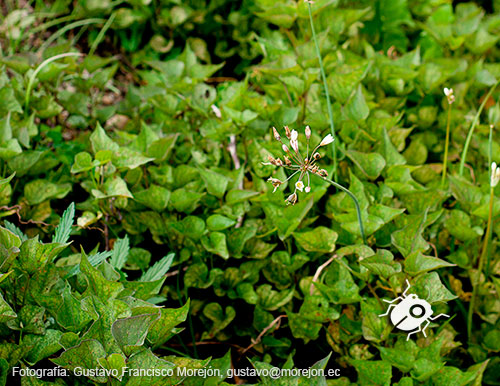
{"type": "Point", "coordinates": [138, 228]}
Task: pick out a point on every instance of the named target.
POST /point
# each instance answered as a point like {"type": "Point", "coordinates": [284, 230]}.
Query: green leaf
{"type": "Point", "coordinates": [409, 239]}
{"type": "Point", "coordinates": [98, 285]}
{"type": "Point", "coordinates": [339, 286]}
{"type": "Point", "coordinates": [8, 102]}
{"type": "Point", "coordinates": [402, 355]}
{"type": "Point", "coordinates": [128, 158]}
{"type": "Point", "coordinates": [163, 328]}
{"type": "Point", "coordinates": [374, 327]}
{"type": "Point", "coordinates": [430, 288]}
{"type": "Point", "coordinates": [120, 253]}
{"type": "Point", "coordinates": [235, 196]}
{"type": "Point", "coordinates": [191, 226]}
{"type": "Point", "coordinates": [459, 226]}
{"type": "Point", "coordinates": [6, 312]}
{"type": "Point", "coordinates": [83, 162]}
{"type": "Point", "coordinates": [371, 164]}
{"type": "Point", "coordinates": [43, 345]}
{"type": "Point", "coordinates": [37, 191]}
{"type": "Point", "coordinates": [14, 229]}
{"type": "Point", "coordinates": [159, 269]}
{"type": "Point", "coordinates": [100, 141]}
{"type": "Point", "coordinates": [185, 201]}
{"type": "Point", "coordinates": [416, 263]}
{"type": "Point", "coordinates": [270, 299]}
{"type": "Point", "coordinates": [286, 219]}
{"type": "Point", "coordinates": [155, 197]}
{"type": "Point", "coordinates": [382, 264]}
{"type": "Point", "coordinates": [145, 359]}
{"type": "Point", "coordinates": [220, 318]}
{"type": "Point", "coordinates": [131, 332]}
{"type": "Point", "coordinates": [113, 187]}
{"type": "Point", "coordinates": [35, 255]}
{"type": "Point", "coordinates": [71, 315]}
{"type": "Point", "coordinates": [216, 243]}
{"type": "Point", "coordinates": [320, 239]}
{"type": "Point", "coordinates": [356, 108]}
{"type": "Point", "coordinates": [373, 372]}
{"type": "Point", "coordinates": [86, 356]}
{"type": "Point", "coordinates": [63, 230]}
{"type": "Point", "coordinates": [218, 222]}
{"type": "Point", "coordinates": [215, 183]}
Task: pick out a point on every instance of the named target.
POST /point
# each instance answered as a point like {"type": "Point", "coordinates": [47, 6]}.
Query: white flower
{"type": "Point", "coordinates": [285, 148]}
{"type": "Point", "coordinates": [449, 95]}
{"type": "Point", "coordinates": [216, 111]}
{"type": "Point", "coordinates": [327, 140]}
{"type": "Point", "coordinates": [299, 185]}
{"type": "Point", "coordinates": [294, 144]}
{"type": "Point", "coordinates": [495, 174]}
{"type": "Point", "coordinates": [308, 189]}
{"type": "Point", "coordinates": [294, 135]}
{"type": "Point", "coordinates": [308, 132]}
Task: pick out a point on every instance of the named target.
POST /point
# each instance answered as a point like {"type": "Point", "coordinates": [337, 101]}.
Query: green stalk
{"type": "Point", "coordinates": [33, 76]}
{"type": "Point", "coordinates": [356, 204]}
{"type": "Point", "coordinates": [477, 277]}
{"type": "Point", "coordinates": [63, 30]}
{"type": "Point", "coordinates": [472, 127]}
{"type": "Point", "coordinates": [325, 85]}
{"type": "Point", "coordinates": [490, 160]}
{"type": "Point", "coordinates": [101, 34]}
{"type": "Point", "coordinates": [446, 146]}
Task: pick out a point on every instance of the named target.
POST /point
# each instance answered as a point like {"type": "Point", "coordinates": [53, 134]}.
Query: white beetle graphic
{"type": "Point", "coordinates": [410, 313]}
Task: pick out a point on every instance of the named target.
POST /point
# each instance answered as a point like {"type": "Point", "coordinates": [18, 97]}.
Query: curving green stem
{"type": "Point", "coordinates": [33, 76]}
{"type": "Point", "coordinates": [325, 85]}
{"type": "Point", "coordinates": [472, 127]}
{"type": "Point", "coordinates": [356, 204]}
{"type": "Point", "coordinates": [446, 146]}
{"type": "Point", "coordinates": [476, 278]}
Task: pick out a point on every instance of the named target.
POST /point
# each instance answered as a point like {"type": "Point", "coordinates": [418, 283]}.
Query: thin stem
{"type": "Point", "coordinates": [447, 144]}
{"type": "Point", "coordinates": [325, 85]}
{"type": "Point", "coordinates": [477, 276]}
{"type": "Point", "coordinates": [38, 69]}
{"type": "Point", "coordinates": [356, 204]}
{"type": "Point", "coordinates": [472, 127]}
{"type": "Point", "coordinates": [490, 160]}
{"type": "Point", "coordinates": [101, 34]}
{"type": "Point", "coordinates": [63, 30]}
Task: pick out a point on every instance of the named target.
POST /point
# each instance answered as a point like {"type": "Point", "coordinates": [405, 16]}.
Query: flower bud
{"type": "Point", "coordinates": [276, 134]}
{"type": "Point", "coordinates": [327, 140]}
{"type": "Point", "coordinates": [308, 132]}
{"type": "Point", "coordinates": [495, 174]}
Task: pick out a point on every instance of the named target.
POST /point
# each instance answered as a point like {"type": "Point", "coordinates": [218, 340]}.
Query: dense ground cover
{"type": "Point", "coordinates": [138, 227]}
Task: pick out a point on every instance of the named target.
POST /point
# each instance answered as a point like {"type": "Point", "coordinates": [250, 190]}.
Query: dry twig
{"type": "Point", "coordinates": [263, 332]}
{"type": "Point", "coordinates": [318, 272]}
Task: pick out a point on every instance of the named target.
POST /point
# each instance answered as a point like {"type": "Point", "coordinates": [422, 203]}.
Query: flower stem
{"type": "Point", "coordinates": [356, 204]}
{"type": "Point", "coordinates": [472, 127]}
{"type": "Point", "coordinates": [447, 144]}
{"type": "Point", "coordinates": [476, 278]}
{"type": "Point", "coordinates": [328, 103]}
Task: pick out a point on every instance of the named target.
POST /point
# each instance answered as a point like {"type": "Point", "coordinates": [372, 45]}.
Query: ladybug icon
{"type": "Point", "coordinates": [410, 313]}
